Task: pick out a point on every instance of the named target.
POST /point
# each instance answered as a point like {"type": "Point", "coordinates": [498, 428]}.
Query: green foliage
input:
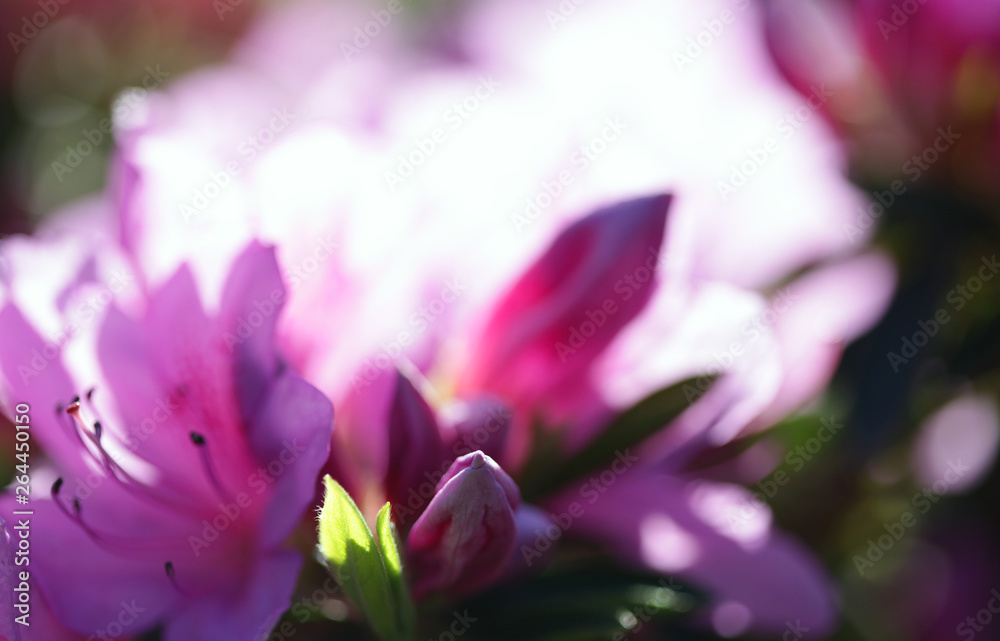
{"type": "Point", "coordinates": [370, 573]}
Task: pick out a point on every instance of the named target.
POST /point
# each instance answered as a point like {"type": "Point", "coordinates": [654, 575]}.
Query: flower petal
{"type": "Point", "coordinates": [414, 441]}
{"type": "Point", "coordinates": [567, 307]}
{"type": "Point", "coordinates": [250, 615]}
{"type": "Point", "coordinates": [714, 536]}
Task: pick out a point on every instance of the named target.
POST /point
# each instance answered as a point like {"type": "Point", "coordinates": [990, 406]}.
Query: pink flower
{"type": "Point", "coordinates": [183, 453]}
{"type": "Point", "coordinates": [526, 353]}
{"type": "Point", "coordinates": [515, 276]}
{"type": "Point", "coordinates": [905, 79]}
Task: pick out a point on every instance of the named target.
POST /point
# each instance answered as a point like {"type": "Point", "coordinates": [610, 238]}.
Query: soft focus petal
{"type": "Point", "coordinates": [34, 374]}
{"type": "Point", "coordinates": [533, 526]}
{"type": "Point", "coordinates": [481, 423]}
{"type": "Point", "coordinates": [816, 315]}
{"type": "Point", "coordinates": [568, 306]}
{"type": "Point", "coordinates": [250, 614]}
{"type": "Point", "coordinates": [957, 445]}
{"type": "Point", "coordinates": [415, 446]}
{"type": "Point", "coordinates": [713, 536]}
{"type": "Point", "coordinates": [291, 436]}
{"type": "Point", "coordinates": [85, 584]}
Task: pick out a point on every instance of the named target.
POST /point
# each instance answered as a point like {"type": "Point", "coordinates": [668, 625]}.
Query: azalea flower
{"type": "Point", "coordinates": [646, 507]}
{"type": "Point", "coordinates": [460, 301]}
{"type": "Point", "coordinates": [914, 84]}
{"type": "Point", "coordinates": [182, 452]}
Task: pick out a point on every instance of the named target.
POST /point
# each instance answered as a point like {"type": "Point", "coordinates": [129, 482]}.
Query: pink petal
{"type": "Point", "coordinates": [713, 536]}
{"type": "Point", "coordinates": [250, 614]}
{"type": "Point", "coordinates": [567, 307]}
{"type": "Point", "coordinates": [415, 446]}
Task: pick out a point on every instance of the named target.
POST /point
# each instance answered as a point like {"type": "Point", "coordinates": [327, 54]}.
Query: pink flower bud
{"type": "Point", "coordinates": [463, 540]}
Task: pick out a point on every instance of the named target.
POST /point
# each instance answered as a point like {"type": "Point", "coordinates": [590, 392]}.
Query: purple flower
{"type": "Point", "coordinates": [514, 288]}
{"type": "Point", "coordinates": [179, 466]}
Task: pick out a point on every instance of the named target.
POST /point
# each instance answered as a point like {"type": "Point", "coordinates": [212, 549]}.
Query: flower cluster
{"type": "Point", "coordinates": [555, 286]}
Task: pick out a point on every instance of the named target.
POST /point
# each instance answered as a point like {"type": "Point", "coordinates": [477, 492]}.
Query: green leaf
{"type": "Point", "coordinates": [389, 545]}
{"type": "Point", "coordinates": [628, 429]}
{"type": "Point", "coordinates": [361, 567]}
{"type": "Point", "coordinates": [580, 605]}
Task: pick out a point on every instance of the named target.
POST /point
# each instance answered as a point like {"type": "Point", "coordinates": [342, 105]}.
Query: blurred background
{"type": "Point", "coordinates": [902, 506]}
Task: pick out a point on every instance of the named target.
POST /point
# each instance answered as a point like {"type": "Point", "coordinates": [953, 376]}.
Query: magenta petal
{"type": "Point", "coordinates": [479, 459]}
{"type": "Point", "coordinates": [290, 435]}
{"type": "Point", "coordinates": [8, 583]}
{"type": "Point", "coordinates": [561, 314]}
{"type": "Point", "coordinates": [251, 614]}
{"type": "Point", "coordinates": [35, 375]}
{"type": "Point", "coordinates": [85, 585]}
{"type": "Point", "coordinates": [534, 526]}
{"type": "Point", "coordinates": [462, 541]}
{"type": "Point", "coordinates": [713, 536]}
{"type": "Point", "coordinates": [481, 423]}
{"type": "Point", "coordinates": [252, 299]}
{"type": "Point", "coordinates": [415, 446]}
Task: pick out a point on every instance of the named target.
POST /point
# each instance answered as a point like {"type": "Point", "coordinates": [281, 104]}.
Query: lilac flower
{"type": "Point", "coordinates": [176, 478]}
